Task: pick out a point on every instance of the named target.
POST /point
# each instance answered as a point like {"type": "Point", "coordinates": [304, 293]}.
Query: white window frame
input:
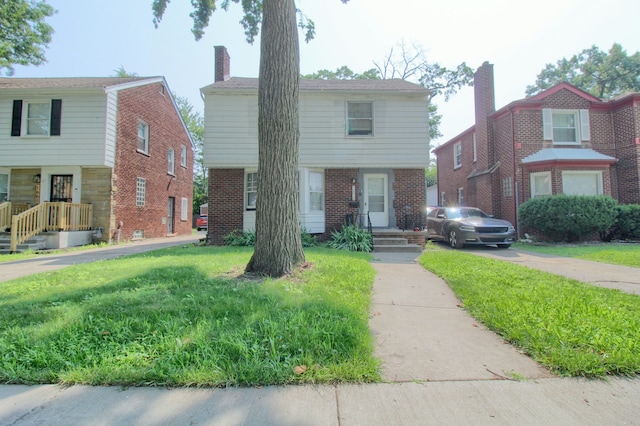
{"type": "Point", "coordinates": [143, 140]}
{"type": "Point", "coordinates": [183, 156]}
{"type": "Point", "coordinates": [316, 190]}
{"type": "Point", "coordinates": [595, 173]}
{"type": "Point", "coordinates": [457, 155]}
{"type": "Point", "coordinates": [581, 130]}
{"type": "Point", "coordinates": [350, 120]}
{"type": "Point", "coordinates": [443, 199]}
{"type": "Point", "coordinates": [26, 119]}
{"type": "Point", "coordinates": [461, 196]}
{"type": "Point", "coordinates": [533, 177]}
{"type": "Point", "coordinates": [171, 161]}
{"type": "Point", "coordinates": [184, 209]}
{"type": "Point", "coordinates": [250, 187]}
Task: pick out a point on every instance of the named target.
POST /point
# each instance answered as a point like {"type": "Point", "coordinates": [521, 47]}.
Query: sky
{"type": "Point", "coordinates": [93, 38]}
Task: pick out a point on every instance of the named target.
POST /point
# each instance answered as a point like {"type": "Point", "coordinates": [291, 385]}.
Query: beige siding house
{"type": "Point", "coordinates": [363, 150]}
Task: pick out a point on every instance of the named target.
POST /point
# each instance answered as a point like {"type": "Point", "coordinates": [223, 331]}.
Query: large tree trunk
{"type": "Point", "coordinates": [278, 247]}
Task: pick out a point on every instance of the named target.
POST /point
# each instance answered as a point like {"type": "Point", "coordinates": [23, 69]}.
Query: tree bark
{"type": "Point", "coordinates": [278, 248]}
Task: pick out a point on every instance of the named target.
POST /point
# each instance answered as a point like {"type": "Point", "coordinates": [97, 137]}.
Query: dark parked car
{"type": "Point", "coordinates": [460, 226]}
{"type": "Point", "coordinates": [202, 223]}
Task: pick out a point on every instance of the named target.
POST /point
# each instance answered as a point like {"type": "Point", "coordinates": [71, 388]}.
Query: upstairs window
{"type": "Point", "coordinates": [566, 127]}
{"type": "Point", "coordinates": [171, 157]}
{"type": "Point", "coordinates": [457, 155]}
{"type": "Point", "coordinates": [251, 190]}
{"type": "Point", "coordinates": [360, 118]}
{"type": "Point", "coordinates": [143, 137]}
{"type": "Point", "coordinates": [183, 156]}
{"type": "Point", "coordinates": [36, 118]}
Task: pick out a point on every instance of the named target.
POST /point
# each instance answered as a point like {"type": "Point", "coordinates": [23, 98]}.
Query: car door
{"type": "Point", "coordinates": [434, 223]}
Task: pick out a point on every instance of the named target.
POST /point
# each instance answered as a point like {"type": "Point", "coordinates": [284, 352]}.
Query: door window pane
{"type": "Point", "coordinates": [376, 194]}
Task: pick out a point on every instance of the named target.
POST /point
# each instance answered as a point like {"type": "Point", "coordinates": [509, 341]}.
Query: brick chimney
{"type": "Point", "coordinates": [485, 105]}
{"type": "Point", "coordinates": [222, 64]}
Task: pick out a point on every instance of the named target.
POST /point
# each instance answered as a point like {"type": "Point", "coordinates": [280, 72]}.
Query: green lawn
{"type": "Point", "coordinates": [574, 329]}
{"type": "Point", "coordinates": [626, 254]}
{"type": "Point", "coordinates": [188, 317]}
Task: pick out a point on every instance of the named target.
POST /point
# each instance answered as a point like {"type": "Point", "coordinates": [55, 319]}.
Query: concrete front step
{"type": "Point", "coordinates": [402, 248]}
{"type": "Point", "coordinates": [33, 243]}
{"type": "Point", "coordinates": [385, 241]}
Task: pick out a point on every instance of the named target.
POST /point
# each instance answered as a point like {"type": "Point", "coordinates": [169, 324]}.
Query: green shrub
{"type": "Point", "coordinates": [351, 238]}
{"type": "Point", "coordinates": [627, 225]}
{"type": "Point", "coordinates": [248, 239]}
{"type": "Point", "coordinates": [568, 218]}
{"type": "Point", "coordinates": [307, 239]}
{"type": "Point", "coordinates": [240, 239]}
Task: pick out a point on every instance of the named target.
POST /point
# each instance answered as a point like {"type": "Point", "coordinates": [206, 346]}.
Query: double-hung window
{"type": "Point", "coordinates": [36, 118]}
{"type": "Point", "coordinates": [143, 137]}
{"type": "Point", "coordinates": [360, 118]}
{"type": "Point", "coordinates": [457, 155]}
{"type": "Point", "coordinates": [566, 127]}
{"type": "Point", "coordinates": [461, 196]}
{"type": "Point", "coordinates": [171, 159]}
{"type": "Point", "coordinates": [183, 156]}
{"type": "Point", "coordinates": [582, 183]}
{"type": "Point", "coordinates": [316, 191]}
{"type": "Point", "coordinates": [251, 190]}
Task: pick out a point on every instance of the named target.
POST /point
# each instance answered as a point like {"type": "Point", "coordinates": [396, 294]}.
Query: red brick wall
{"type": "Point", "coordinates": [148, 104]}
{"type": "Point", "coordinates": [409, 193]}
{"type": "Point", "coordinates": [627, 138]}
{"type": "Point", "coordinates": [337, 196]}
{"type": "Point", "coordinates": [226, 203]}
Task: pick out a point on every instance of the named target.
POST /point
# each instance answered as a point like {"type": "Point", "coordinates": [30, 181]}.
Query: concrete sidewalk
{"type": "Point", "coordinates": [440, 367]}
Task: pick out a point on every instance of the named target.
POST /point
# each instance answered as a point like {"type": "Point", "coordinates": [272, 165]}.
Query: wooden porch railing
{"type": "Point", "coordinates": [50, 217]}
{"type": "Point", "coordinates": [8, 209]}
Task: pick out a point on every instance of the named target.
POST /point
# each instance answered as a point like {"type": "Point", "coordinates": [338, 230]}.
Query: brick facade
{"type": "Point", "coordinates": [226, 199]}
{"type": "Point", "coordinates": [152, 105]}
{"type": "Point", "coordinates": [498, 181]}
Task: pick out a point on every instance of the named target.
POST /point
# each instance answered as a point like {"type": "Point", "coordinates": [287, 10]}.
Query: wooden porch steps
{"type": "Point", "coordinates": [34, 243]}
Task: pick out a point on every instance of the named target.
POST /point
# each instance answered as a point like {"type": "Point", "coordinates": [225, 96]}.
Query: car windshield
{"type": "Point", "coordinates": [462, 213]}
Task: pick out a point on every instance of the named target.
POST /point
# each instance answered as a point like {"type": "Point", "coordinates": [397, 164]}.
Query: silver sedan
{"type": "Point", "coordinates": [460, 226]}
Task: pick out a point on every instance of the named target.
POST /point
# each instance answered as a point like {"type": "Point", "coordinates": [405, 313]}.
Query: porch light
{"type": "Point", "coordinates": [36, 178]}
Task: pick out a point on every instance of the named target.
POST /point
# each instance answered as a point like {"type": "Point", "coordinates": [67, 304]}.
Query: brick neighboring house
{"type": "Point", "coordinates": [118, 144]}
{"type": "Point", "coordinates": [363, 149]}
{"type": "Point", "coordinates": [560, 141]}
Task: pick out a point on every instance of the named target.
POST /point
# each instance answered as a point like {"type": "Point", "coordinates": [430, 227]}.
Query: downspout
{"type": "Point", "coordinates": [515, 178]}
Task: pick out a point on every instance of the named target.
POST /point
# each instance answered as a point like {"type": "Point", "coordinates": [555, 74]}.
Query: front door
{"type": "Point", "coordinates": [61, 188]}
{"type": "Point", "coordinates": [376, 201]}
{"type": "Point", "coordinates": [170, 213]}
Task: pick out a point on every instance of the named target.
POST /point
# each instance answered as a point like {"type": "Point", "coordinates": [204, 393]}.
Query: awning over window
{"type": "Point", "coordinates": [569, 155]}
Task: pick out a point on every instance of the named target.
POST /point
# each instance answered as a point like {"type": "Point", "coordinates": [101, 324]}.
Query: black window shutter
{"type": "Point", "coordinates": [56, 110]}
{"type": "Point", "coordinates": [16, 119]}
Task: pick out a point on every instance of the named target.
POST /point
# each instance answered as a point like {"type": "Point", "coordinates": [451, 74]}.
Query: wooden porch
{"type": "Point", "coordinates": [24, 222]}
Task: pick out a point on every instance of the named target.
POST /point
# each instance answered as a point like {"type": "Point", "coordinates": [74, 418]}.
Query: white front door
{"type": "Point", "coordinates": [376, 201]}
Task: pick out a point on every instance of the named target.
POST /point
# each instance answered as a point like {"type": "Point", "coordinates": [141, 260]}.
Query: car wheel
{"type": "Point", "coordinates": [454, 242]}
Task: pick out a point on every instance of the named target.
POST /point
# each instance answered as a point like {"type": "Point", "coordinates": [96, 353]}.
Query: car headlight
{"type": "Point", "coordinates": [467, 228]}
{"type": "Point", "coordinates": [511, 229]}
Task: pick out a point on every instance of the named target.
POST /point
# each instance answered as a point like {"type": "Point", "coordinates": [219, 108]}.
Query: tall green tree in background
{"type": "Point", "coordinates": [24, 34]}
{"type": "Point", "coordinates": [278, 249]}
{"type": "Point", "coordinates": [603, 74]}
{"type": "Point", "coordinates": [195, 124]}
